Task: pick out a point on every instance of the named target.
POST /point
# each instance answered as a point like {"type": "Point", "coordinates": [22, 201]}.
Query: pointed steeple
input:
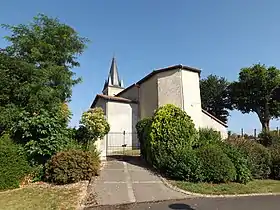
{"type": "Point", "coordinates": [113, 78]}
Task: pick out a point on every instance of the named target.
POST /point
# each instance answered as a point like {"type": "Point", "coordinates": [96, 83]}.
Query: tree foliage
{"type": "Point", "coordinates": [93, 125]}
{"type": "Point", "coordinates": [256, 91]}
{"type": "Point", "coordinates": [43, 134]}
{"type": "Point", "coordinates": [36, 81]}
{"type": "Point", "coordinates": [214, 96]}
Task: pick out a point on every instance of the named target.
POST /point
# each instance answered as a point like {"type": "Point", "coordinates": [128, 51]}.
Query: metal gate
{"type": "Point", "coordinates": [122, 143]}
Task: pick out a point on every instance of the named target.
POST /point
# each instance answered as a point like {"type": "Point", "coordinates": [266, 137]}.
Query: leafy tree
{"type": "Point", "coordinates": [93, 126]}
{"type": "Point", "coordinates": [51, 48]}
{"type": "Point", "coordinates": [42, 134]}
{"type": "Point", "coordinates": [214, 96]}
{"type": "Point", "coordinates": [36, 81]}
{"type": "Point", "coordinates": [35, 70]}
{"type": "Point", "coordinates": [256, 91]}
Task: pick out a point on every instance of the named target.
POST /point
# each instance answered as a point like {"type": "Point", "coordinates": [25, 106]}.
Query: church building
{"type": "Point", "coordinates": [124, 107]}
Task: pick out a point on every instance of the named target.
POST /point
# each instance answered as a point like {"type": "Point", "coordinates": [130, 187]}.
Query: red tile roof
{"type": "Point", "coordinates": [112, 98]}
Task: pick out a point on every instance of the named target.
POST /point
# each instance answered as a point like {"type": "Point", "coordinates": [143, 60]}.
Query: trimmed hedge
{"type": "Point", "coordinates": [13, 164]}
{"type": "Point", "coordinates": [217, 166]}
{"type": "Point", "coordinates": [171, 128]}
{"type": "Point", "coordinates": [183, 165]}
{"type": "Point", "coordinates": [259, 157]}
{"type": "Point", "coordinates": [240, 162]}
{"type": "Point", "coordinates": [71, 166]}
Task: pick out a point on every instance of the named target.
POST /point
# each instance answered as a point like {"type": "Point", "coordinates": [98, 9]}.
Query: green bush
{"type": "Point", "coordinates": [258, 156]}
{"type": "Point", "coordinates": [217, 166]}
{"type": "Point", "coordinates": [71, 166]}
{"type": "Point", "coordinates": [13, 164]}
{"type": "Point", "coordinates": [269, 138]}
{"type": "Point", "coordinates": [240, 162]}
{"type": "Point", "coordinates": [183, 164]}
{"type": "Point", "coordinates": [208, 136]}
{"type": "Point", "coordinates": [171, 127]}
{"type": "Point", "coordinates": [275, 163]}
{"type": "Point", "coordinates": [141, 127]}
{"type": "Point", "coordinates": [42, 134]}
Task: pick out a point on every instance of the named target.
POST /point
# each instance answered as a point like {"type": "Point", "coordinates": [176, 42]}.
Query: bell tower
{"type": "Point", "coordinates": [113, 85]}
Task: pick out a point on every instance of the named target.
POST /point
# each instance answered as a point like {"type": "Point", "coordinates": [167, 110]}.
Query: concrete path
{"type": "Point", "coordinates": [126, 181]}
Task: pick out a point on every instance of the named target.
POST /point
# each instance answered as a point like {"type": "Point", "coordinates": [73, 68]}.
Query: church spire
{"type": "Point", "coordinates": [113, 78]}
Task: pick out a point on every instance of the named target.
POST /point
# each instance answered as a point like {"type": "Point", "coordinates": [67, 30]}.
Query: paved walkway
{"type": "Point", "coordinates": [126, 181]}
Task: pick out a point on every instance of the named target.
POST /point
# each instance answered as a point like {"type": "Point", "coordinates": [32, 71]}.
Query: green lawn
{"type": "Point", "coordinates": [128, 152]}
{"type": "Point", "coordinates": [256, 186]}
{"type": "Point", "coordinates": [38, 197]}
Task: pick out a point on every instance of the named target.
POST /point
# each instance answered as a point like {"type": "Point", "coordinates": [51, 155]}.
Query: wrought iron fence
{"type": "Point", "coordinates": [122, 143]}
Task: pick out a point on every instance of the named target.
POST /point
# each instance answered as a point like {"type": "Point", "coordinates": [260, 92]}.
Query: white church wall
{"type": "Point", "coordinates": [210, 122]}
{"type": "Point", "coordinates": [191, 96]}
{"type": "Point", "coordinates": [112, 91]}
{"type": "Point", "coordinates": [170, 88]}
{"type": "Point", "coordinates": [148, 97]}
{"type": "Point", "coordinates": [122, 117]}
{"type": "Point", "coordinates": [101, 143]}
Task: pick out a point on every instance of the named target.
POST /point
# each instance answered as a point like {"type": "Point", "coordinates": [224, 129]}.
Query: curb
{"type": "Point", "coordinates": [175, 188]}
{"type": "Point", "coordinates": [83, 204]}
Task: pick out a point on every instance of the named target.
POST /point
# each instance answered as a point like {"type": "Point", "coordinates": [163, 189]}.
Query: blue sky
{"type": "Point", "coordinates": [219, 37]}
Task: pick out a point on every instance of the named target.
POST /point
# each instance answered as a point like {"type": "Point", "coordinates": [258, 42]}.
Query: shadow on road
{"type": "Point", "coordinates": [180, 206]}
{"type": "Point", "coordinates": [133, 160]}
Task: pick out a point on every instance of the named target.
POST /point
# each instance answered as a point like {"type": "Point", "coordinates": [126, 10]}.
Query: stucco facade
{"type": "Point", "coordinates": [178, 85]}
{"type": "Point", "coordinates": [112, 91]}
{"type": "Point", "coordinates": [191, 96]}
{"type": "Point", "coordinates": [148, 93]}
{"type": "Point", "coordinates": [209, 122]}
{"type": "Point", "coordinates": [170, 88]}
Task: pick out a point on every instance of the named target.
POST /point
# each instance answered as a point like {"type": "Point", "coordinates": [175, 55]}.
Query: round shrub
{"type": "Point", "coordinates": [217, 166]}
{"type": "Point", "coordinates": [275, 161]}
{"type": "Point", "coordinates": [71, 166]}
{"type": "Point", "coordinates": [240, 162]}
{"type": "Point", "coordinates": [13, 164]}
{"type": "Point", "coordinates": [171, 127]}
{"type": "Point", "coordinates": [258, 156]}
{"type": "Point", "coordinates": [183, 165]}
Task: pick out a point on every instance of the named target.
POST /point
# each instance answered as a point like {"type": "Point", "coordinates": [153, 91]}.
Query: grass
{"type": "Point", "coordinates": [128, 152]}
{"type": "Point", "coordinates": [256, 186]}
{"type": "Point", "coordinates": [40, 197]}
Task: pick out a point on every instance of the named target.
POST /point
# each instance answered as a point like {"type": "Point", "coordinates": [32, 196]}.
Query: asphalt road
{"type": "Point", "coordinates": [238, 203]}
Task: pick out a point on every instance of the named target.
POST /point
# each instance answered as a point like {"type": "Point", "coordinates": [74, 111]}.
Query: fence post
{"type": "Point", "coordinates": [124, 143]}
{"type": "Point", "coordinates": [255, 134]}
{"type": "Point", "coordinates": [277, 131]}
{"type": "Point", "coordinates": [242, 132]}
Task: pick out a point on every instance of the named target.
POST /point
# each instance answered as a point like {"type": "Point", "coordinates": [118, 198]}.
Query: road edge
{"type": "Point", "coordinates": [173, 187]}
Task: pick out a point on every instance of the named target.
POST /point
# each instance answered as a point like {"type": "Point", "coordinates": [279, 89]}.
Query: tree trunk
{"type": "Point", "coordinates": [265, 125]}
